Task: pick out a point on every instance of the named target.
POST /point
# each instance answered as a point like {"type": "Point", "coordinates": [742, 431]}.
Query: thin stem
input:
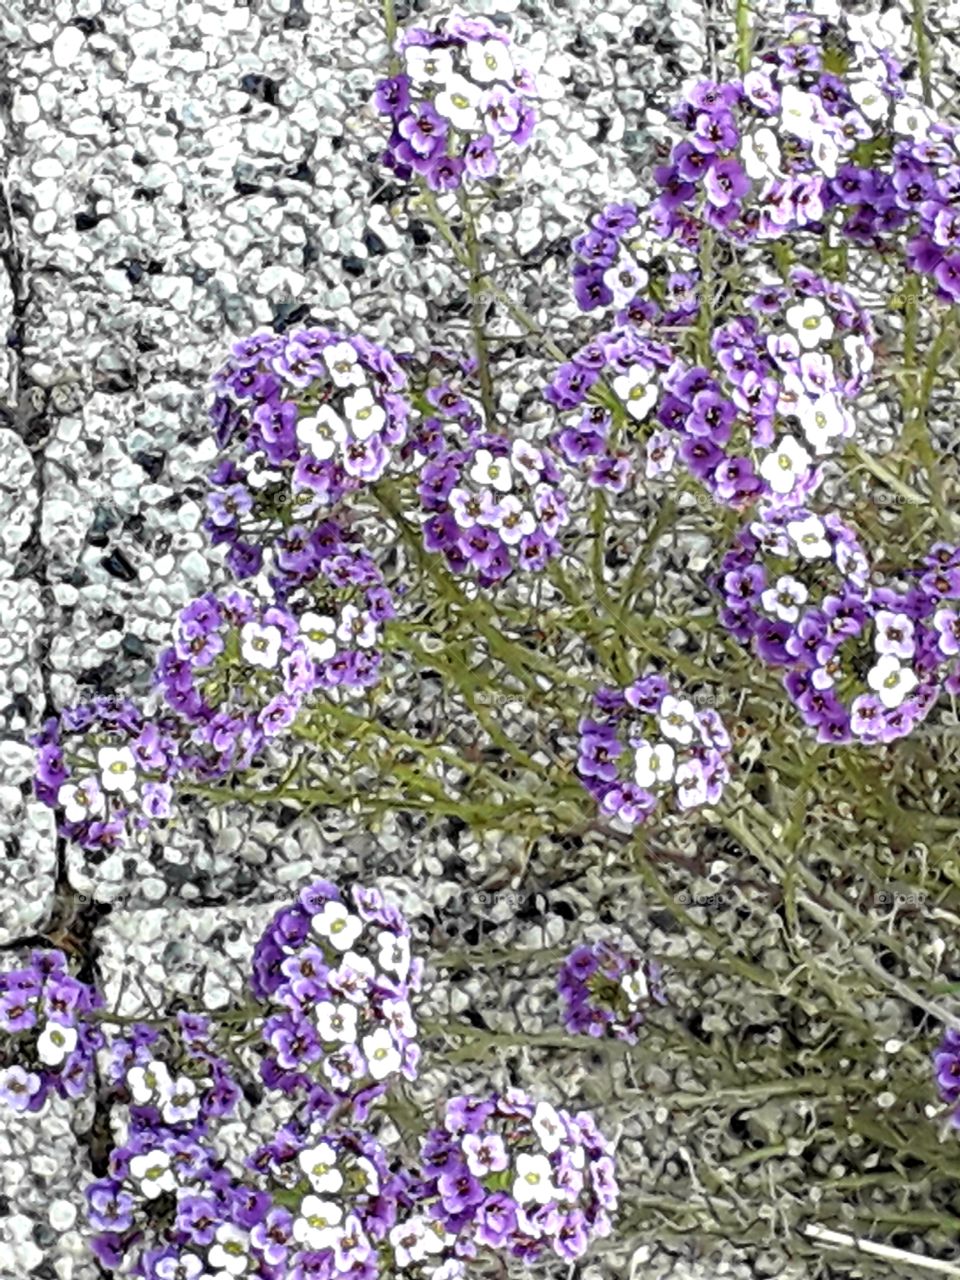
{"type": "Point", "coordinates": [922, 43]}
{"type": "Point", "coordinates": [477, 308]}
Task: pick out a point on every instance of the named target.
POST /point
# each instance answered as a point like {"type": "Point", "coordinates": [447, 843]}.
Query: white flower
{"type": "Point", "coordinates": [459, 103]}
{"type": "Point", "coordinates": [859, 353]}
{"type": "Point", "coordinates": [345, 368]}
{"type": "Point", "coordinates": [638, 390]}
{"type": "Point", "coordinates": [822, 419]}
{"type": "Point", "coordinates": [149, 1082]}
{"type": "Point", "coordinates": [809, 537]}
{"type": "Point", "coordinates": [527, 460]}
{"type": "Point", "coordinates": [514, 521]}
{"type": "Point", "coordinates": [152, 1171]}
{"type": "Point", "coordinates": [365, 415]}
{"type": "Point", "coordinates": [357, 627]}
{"type": "Point", "coordinates": [320, 1165]}
{"type": "Point", "coordinates": [826, 153]}
{"type": "Point", "coordinates": [322, 433]}
{"type": "Point", "coordinates": [810, 322]}
{"type": "Point", "coordinates": [872, 103]}
{"type": "Point", "coordinates": [318, 1226]}
{"type": "Point", "coordinates": [546, 1125]}
{"type": "Point", "coordinates": [118, 768]}
{"type": "Point", "coordinates": [359, 964]}
{"type": "Point", "coordinates": [534, 1180]}
{"type": "Point", "coordinates": [180, 1101]}
{"type": "Point", "coordinates": [394, 953]}
{"type": "Point", "coordinates": [407, 1239]}
{"type": "Point", "coordinates": [912, 120]}
{"type": "Point", "coordinates": [80, 801]}
{"type": "Point", "coordinates": [381, 1054]}
{"type": "Point", "coordinates": [798, 113]}
{"type": "Point", "coordinates": [336, 1023]}
{"type": "Point", "coordinates": [55, 1042]}
{"type": "Point", "coordinates": [760, 154]}
{"type": "Point", "coordinates": [625, 279]}
{"type": "Point", "coordinates": [230, 1250]}
{"type": "Point", "coordinates": [258, 478]}
{"type": "Point", "coordinates": [634, 987]}
{"type": "Point", "coordinates": [488, 470]}
{"type": "Point", "coordinates": [372, 1178]}
{"type": "Point", "coordinates": [317, 632]}
{"type": "Point", "coordinates": [338, 926]}
{"type": "Point", "coordinates": [653, 764]}
{"type": "Point", "coordinates": [428, 66]}
{"type": "Point", "coordinates": [890, 681]}
{"type": "Point", "coordinates": [677, 719]}
{"type": "Point", "coordinates": [489, 60]}
{"type": "Point", "coordinates": [782, 468]}
{"type": "Point", "coordinates": [400, 1017]}
{"type": "Point", "coordinates": [785, 598]}
{"type": "Point", "coordinates": [259, 645]}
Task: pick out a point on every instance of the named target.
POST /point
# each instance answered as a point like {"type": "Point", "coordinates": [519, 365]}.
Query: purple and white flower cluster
{"type": "Point", "coordinates": [342, 975]}
{"type": "Point", "coordinates": [864, 661]}
{"type": "Point", "coordinates": [514, 1174]}
{"type": "Point", "coordinates": [301, 419]}
{"type": "Point", "coordinates": [47, 1043]}
{"type": "Point", "coordinates": [607, 989]}
{"type": "Point", "coordinates": [777, 403]}
{"type": "Point", "coordinates": [644, 744]}
{"type": "Point", "coordinates": [460, 100]}
{"type": "Point", "coordinates": [109, 769]}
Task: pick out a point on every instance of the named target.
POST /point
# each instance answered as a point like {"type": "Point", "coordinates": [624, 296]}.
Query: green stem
{"type": "Point", "coordinates": [477, 308]}
{"type": "Point", "coordinates": [922, 43]}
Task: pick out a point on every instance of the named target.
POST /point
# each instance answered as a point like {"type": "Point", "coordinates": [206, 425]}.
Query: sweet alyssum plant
{"type": "Point", "coordinates": [383, 514]}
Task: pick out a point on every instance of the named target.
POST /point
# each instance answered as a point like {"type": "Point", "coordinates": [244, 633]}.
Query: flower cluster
{"type": "Point", "coordinates": [597, 438]}
{"type": "Point", "coordinates": [458, 101]}
{"type": "Point", "coordinates": [607, 989]}
{"type": "Point", "coordinates": [238, 672]}
{"type": "Point", "coordinates": [343, 979]}
{"type": "Point", "coordinates": [47, 1045]}
{"type": "Point", "coordinates": [818, 132]}
{"type": "Point", "coordinates": [862, 659]}
{"type": "Point", "coordinates": [619, 262]}
{"type": "Point", "coordinates": [491, 505]}
{"type": "Point", "coordinates": [301, 420]}
{"type": "Point", "coordinates": [513, 1174]}
{"type": "Point", "coordinates": [109, 769]}
{"type": "Point", "coordinates": [777, 403]}
{"type": "Point", "coordinates": [174, 1077]}
{"type": "Point", "coordinates": [644, 744]}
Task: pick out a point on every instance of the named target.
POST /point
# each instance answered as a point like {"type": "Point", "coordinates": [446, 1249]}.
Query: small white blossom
{"type": "Point", "coordinates": [153, 1173]}
{"type": "Point", "coordinates": [810, 322]}
{"type": "Point", "coordinates": [118, 768]}
{"type": "Point", "coordinates": [260, 645]}
{"type": "Point", "coordinates": [784, 467]}
{"type": "Point", "coordinates": [637, 389]}
{"type": "Point", "coordinates": [55, 1042]}
{"type": "Point", "coordinates": [809, 537]}
{"type": "Point", "coordinates": [546, 1125]}
{"type": "Point", "coordinates": [785, 598]}
{"type": "Point", "coordinates": [338, 926]}
{"type": "Point", "coordinates": [654, 763]}
{"type": "Point", "coordinates": [357, 627]}
{"type": "Point", "coordinates": [344, 365]}
{"type": "Point", "coordinates": [798, 112]}
{"type": "Point", "coordinates": [822, 420]}
{"type": "Point", "coordinates": [317, 632]}
{"type": "Point", "coordinates": [149, 1083]}
{"type": "Point", "coordinates": [488, 470]}
{"type": "Point", "coordinates": [382, 1056]}
{"type": "Point", "coordinates": [322, 433]}
{"type": "Point", "coordinates": [677, 719]}
{"type": "Point", "coordinates": [394, 953]}
{"type": "Point", "coordinates": [634, 987]}
{"type": "Point", "coordinates": [230, 1252]}
{"type": "Point", "coordinates": [336, 1023]}
{"type": "Point", "coordinates": [625, 279]}
{"type": "Point", "coordinates": [320, 1165]}
{"type": "Point", "coordinates": [912, 120]}
{"type": "Point", "coordinates": [318, 1226]}
{"type": "Point", "coordinates": [428, 66]}
{"type": "Point", "coordinates": [514, 521]}
{"type": "Point", "coordinates": [81, 800]}
{"type": "Point", "coordinates": [760, 154]}
{"type": "Point", "coordinates": [489, 60]}
{"type": "Point", "coordinates": [366, 417]}
{"type": "Point", "coordinates": [872, 102]}
{"type": "Point", "coordinates": [890, 681]}
{"type": "Point", "coordinates": [527, 460]}
{"type": "Point", "coordinates": [534, 1180]}
{"type": "Point", "coordinates": [459, 102]}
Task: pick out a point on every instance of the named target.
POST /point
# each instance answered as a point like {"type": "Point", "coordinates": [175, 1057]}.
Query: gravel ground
{"type": "Point", "coordinates": [177, 174]}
